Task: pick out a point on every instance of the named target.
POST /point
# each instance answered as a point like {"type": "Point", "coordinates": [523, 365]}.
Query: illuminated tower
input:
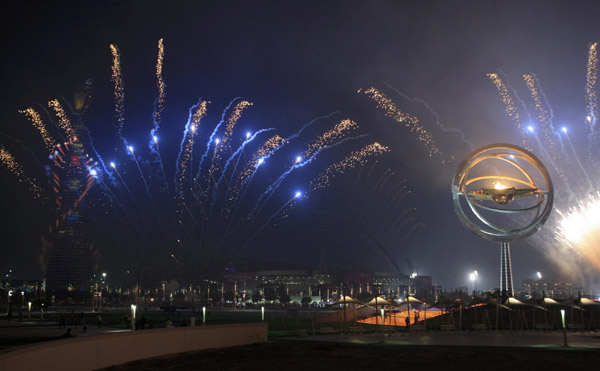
{"type": "Point", "coordinates": [506, 278]}
{"type": "Point", "coordinates": [69, 258]}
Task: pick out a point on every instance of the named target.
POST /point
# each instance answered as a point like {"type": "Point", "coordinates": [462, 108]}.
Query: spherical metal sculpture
{"type": "Point", "coordinates": [502, 193]}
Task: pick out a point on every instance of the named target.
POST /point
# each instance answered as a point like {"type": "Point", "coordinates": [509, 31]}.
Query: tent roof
{"type": "Point", "coordinates": [348, 300]}
{"type": "Point", "coordinates": [409, 300]}
{"type": "Point", "coordinates": [513, 301]}
{"type": "Point", "coordinates": [549, 301]}
{"type": "Point", "coordinates": [586, 301]}
{"type": "Point", "coordinates": [378, 301]}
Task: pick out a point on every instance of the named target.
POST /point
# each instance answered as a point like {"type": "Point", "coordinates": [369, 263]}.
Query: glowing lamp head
{"type": "Point", "coordinates": [155, 138]}
{"type": "Point", "coordinates": [261, 161]}
{"type": "Point", "coordinates": [217, 141]}
{"type": "Point", "coordinates": [113, 165]}
{"type": "Point", "coordinates": [499, 186]}
{"type": "Point", "coordinates": [564, 129]}
{"type": "Point", "coordinates": [530, 128]}
{"type": "Point", "coordinates": [93, 172]}
{"type": "Point", "coordinates": [589, 118]}
{"type": "Point", "coordinates": [539, 275]}
{"type": "Point", "coordinates": [298, 159]}
{"type": "Point", "coordinates": [298, 194]}
{"type": "Point", "coordinates": [476, 273]}
{"type": "Point", "coordinates": [247, 135]}
{"type": "Point", "coordinates": [472, 276]}
{"type": "Point", "coordinates": [193, 128]}
{"type": "Point", "coordinates": [130, 148]}
{"type": "Point", "coordinates": [413, 275]}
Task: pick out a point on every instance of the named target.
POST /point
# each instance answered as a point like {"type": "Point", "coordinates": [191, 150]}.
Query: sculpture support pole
{"type": "Point", "coordinates": [506, 279]}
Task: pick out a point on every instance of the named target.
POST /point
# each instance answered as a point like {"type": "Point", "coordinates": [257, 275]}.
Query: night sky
{"type": "Point", "coordinates": [296, 61]}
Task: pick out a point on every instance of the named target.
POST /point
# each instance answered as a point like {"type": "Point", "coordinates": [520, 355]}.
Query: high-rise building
{"type": "Point", "coordinates": [69, 258]}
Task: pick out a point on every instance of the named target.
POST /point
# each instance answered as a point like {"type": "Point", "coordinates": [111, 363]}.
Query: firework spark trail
{"type": "Point", "coordinates": [591, 94]}
{"type": "Point", "coordinates": [330, 136]}
{"type": "Point", "coordinates": [543, 115]}
{"type": "Point", "coordinates": [271, 146]}
{"type": "Point", "coordinates": [212, 135]}
{"type": "Point", "coordinates": [560, 174]}
{"type": "Point", "coordinates": [579, 161]}
{"type": "Point", "coordinates": [119, 92]}
{"type": "Point", "coordinates": [409, 121]}
{"type": "Point", "coordinates": [231, 158]}
{"type": "Point", "coordinates": [264, 198]}
{"type": "Point", "coordinates": [243, 181]}
{"type": "Point", "coordinates": [233, 119]}
{"type": "Point", "coordinates": [509, 104]}
{"type": "Point", "coordinates": [438, 122]}
{"type": "Point", "coordinates": [222, 145]}
{"type": "Point", "coordinates": [63, 121]}
{"type": "Point", "coordinates": [50, 118]}
{"type": "Point", "coordinates": [197, 112]}
{"type": "Point", "coordinates": [14, 167]}
{"type": "Point", "coordinates": [159, 102]}
{"type": "Point", "coordinates": [24, 148]}
{"type": "Point", "coordinates": [35, 118]}
{"type": "Point", "coordinates": [355, 158]}
{"type": "Point", "coordinates": [551, 114]}
{"type": "Point", "coordinates": [579, 228]}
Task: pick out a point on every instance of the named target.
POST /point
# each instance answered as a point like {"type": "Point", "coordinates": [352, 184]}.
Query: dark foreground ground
{"type": "Point", "coordinates": [312, 355]}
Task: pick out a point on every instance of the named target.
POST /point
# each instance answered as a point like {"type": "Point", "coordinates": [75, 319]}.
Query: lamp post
{"type": "Point", "coordinates": [133, 309]}
{"type": "Point", "coordinates": [203, 316]}
{"type": "Point", "coordinates": [8, 291]}
{"type": "Point", "coordinates": [29, 310]}
{"type": "Point", "coordinates": [564, 327]}
{"type": "Point", "coordinates": [473, 276]}
{"type": "Point", "coordinates": [102, 289]}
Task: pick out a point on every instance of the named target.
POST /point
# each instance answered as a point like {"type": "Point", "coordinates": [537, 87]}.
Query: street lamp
{"type": "Point", "coordinates": [473, 277]}
{"type": "Point", "coordinates": [539, 275]}
{"type": "Point", "coordinates": [133, 308]}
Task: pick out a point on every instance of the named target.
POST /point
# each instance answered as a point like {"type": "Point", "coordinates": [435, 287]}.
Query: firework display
{"type": "Point", "coordinates": [212, 214]}
{"type": "Point", "coordinates": [579, 228]}
{"type": "Point", "coordinates": [14, 167]}
{"type": "Point", "coordinates": [577, 199]}
{"type": "Point", "coordinates": [410, 121]}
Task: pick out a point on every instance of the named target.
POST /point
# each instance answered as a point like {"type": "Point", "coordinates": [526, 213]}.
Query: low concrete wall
{"type": "Point", "coordinates": [101, 351]}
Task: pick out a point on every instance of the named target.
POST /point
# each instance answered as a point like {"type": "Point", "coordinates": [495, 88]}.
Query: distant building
{"type": "Point", "coordinates": [295, 282]}
{"type": "Point", "coordinates": [556, 290]}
